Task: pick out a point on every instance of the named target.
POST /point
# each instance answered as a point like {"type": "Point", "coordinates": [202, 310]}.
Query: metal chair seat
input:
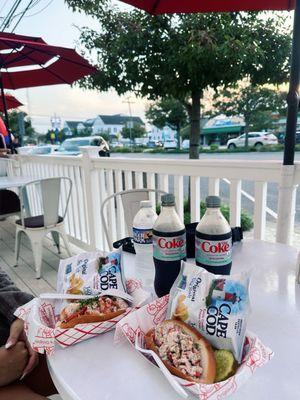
{"type": "Point", "coordinates": [36, 222]}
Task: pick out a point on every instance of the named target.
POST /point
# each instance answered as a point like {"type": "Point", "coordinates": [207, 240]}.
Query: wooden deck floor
{"type": "Point", "coordinates": [24, 274]}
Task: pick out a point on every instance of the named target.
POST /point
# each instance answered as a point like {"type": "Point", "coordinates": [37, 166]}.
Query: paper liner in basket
{"type": "Point", "coordinates": [40, 319]}
{"type": "Point", "coordinates": [255, 353]}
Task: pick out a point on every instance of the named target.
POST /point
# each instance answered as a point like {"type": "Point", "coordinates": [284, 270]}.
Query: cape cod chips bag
{"type": "Point", "coordinates": [91, 273]}
{"type": "Point", "coordinates": [216, 305]}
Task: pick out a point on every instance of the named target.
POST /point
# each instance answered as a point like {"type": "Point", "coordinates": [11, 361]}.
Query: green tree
{"type": "Point", "coordinates": [137, 131]}
{"type": "Point", "coordinates": [182, 55]}
{"type": "Point", "coordinates": [13, 117]}
{"type": "Point", "coordinates": [168, 112]}
{"type": "Point", "coordinates": [255, 103]}
{"type": "Point", "coordinates": [84, 132]}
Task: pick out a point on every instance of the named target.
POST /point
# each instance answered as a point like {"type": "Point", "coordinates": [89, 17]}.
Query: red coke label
{"type": "Point", "coordinates": [213, 251]}
{"type": "Point", "coordinates": [169, 248]}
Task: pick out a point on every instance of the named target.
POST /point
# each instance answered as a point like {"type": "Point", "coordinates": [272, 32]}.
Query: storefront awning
{"type": "Point", "coordinates": [222, 130]}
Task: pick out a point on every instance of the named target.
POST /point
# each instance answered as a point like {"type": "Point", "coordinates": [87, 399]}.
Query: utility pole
{"type": "Point", "coordinates": [129, 102]}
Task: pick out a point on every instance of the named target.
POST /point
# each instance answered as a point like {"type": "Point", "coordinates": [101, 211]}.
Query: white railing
{"type": "Point", "coordinates": [96, 178]}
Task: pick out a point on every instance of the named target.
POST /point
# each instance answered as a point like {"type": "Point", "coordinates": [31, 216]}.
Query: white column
{"type": "Point", "coordinates": [195, 198]}
{"type": "Point", "coordinates": [260, 207]}
{"type": "Point", "coordinates": [235, 202]}
{"type": "Point", "coordinates": [286, 205]}
{"type": "Point", "coordinates": [88, 190]}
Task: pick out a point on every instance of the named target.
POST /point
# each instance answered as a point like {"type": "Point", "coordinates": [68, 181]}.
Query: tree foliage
{"type": "Point", "coordinates": [255, 103]}
{"type": "Point", "coordinates": [137, 131]}
{"type": "Point", "coordinates": [13, 117]}
{"type": "Point", "coordinates": [181, 55]}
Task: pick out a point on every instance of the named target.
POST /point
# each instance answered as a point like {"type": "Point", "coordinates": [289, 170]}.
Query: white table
{"type": "Point", "coordinates": [98, 369]}
{"type": "Point", "coordinates": [14, 182]}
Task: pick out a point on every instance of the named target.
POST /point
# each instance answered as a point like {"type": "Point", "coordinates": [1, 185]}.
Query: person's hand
{"type": "Point", "coordinates": [12, 362]}
{"type": "Point", "coordinates": [17, 334]}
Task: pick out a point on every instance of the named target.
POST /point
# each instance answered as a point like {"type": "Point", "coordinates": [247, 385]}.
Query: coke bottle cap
{"type": "Point", "coordinates": [213, 201]}
{"type": "Point", "coordinates": [145, 203]}
{"type": "Point", "coordinates": [167, 200]}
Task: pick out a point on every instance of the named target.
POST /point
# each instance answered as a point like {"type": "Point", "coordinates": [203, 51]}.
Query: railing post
{"type": "Point", "coordinates": [87, 182]}
{"type": "Point", "coordinates": [286, 205]}
{"type": "Point", "coordinates": [235, 202]}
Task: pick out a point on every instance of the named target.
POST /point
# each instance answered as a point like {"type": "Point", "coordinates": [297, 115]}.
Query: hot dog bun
{"type": "Point", "coordinates": [95, 309]}
{"type": "Point", "coordinates": [87, 319]}
{"type": "Point", "coordinates": [208, 362]}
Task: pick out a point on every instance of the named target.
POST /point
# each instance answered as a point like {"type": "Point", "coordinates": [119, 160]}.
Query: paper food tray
{"type": "Point", "coordinates": [255, 355]}
{"type": "Point", "coordinates": [40, 319]}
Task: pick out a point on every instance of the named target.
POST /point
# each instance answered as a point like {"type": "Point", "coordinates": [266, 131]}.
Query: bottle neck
{"type": "Point", "coordinates": [168, 210]}
{"type": "Point", "coordinates": [212, 210]}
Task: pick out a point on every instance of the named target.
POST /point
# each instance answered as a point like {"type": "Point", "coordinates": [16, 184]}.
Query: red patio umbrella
{"type": "Point", "coordinates": [10, 101]}
{"type": "Point", "coordinates": [156, 7]}
{"type": "Point", "coordinates": [26, 61]}
{"type": "Point", "coordinates": [194, 6]}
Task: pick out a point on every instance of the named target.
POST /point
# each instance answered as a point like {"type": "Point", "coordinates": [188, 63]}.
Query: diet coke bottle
{"type": "Point", "coordinates": [169, 246]}
{"type": "Point", "coordinates": [213, 239]}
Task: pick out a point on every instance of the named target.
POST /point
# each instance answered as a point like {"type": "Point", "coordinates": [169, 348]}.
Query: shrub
{"type": "Point", "coordinates": [214, 147]}
{"type": "Point", "coordinates": [271, 147]}
{"type": "Point", "coordinates": [246, 220]}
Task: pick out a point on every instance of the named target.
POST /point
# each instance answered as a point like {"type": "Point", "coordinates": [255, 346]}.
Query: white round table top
{"type": "Point", "coordinates": [99, 369]}
{"type": "Point", "coordinates": [14, 182]}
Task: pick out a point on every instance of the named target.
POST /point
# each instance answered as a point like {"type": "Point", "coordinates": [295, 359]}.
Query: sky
{"type": "Point", "coordinates": [56, 24]}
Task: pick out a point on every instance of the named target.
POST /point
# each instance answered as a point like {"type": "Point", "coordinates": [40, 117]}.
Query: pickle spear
{"type": "Point", "coordinates": [226, 365]}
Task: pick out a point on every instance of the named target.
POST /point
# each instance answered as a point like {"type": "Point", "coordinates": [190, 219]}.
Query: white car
{"type": "Point", "coordinates": [185, 144]}
{"type": "Point", "coordinates": [170, 144]}
{"type": "Point", "coordinates": [256, 139]}
{"type": "Point", "coordinates": [38, 150]}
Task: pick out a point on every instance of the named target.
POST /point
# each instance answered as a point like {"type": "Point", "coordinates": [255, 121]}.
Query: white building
{"type": "Point", "coordinates": [109, 124]}
{"type": "Point", "coordinates": [161, 134]}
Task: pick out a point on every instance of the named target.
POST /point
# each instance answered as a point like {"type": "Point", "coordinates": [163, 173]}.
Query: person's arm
{"type": "Point", "coordinates": [10, 297]}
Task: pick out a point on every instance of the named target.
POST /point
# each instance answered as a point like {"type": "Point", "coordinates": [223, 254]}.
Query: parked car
{"type": "Point", "coordinates": [170, 144]}
{"type": "Point", "coordinates": [43, 150]}
{"type": "Point", "coordinates": [185, 145]}
{"type": "Point", "coordinates": [281, 137]}
{"type": "Point", "coordinates": [72, 146]}
{"type": "Point", "coordinates": [24, 149]}
{"type": "Point", "coordinates": [256, 139]}
{"type": "Point", "coordinates": [152, 144]}
{"type": "Point", "coordinates": [116, 145]}
{"type": "Point", "coordinates": [140, 142]}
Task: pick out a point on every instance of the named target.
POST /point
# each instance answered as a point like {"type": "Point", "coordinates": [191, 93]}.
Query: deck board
{"type": "Point", "coordinates": [24, 274]}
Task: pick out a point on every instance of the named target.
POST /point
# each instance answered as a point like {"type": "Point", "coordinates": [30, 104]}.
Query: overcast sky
{"type": "Point", "coordinates": [56, 24]}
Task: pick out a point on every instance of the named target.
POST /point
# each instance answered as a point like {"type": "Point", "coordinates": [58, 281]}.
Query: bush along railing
{"type": "Point", "coordinates": [94, 179]}
{"type": "Point", "coordinates": [246, 220]}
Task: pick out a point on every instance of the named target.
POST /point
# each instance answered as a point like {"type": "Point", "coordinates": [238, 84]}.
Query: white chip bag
{"type": "Point", "coordinates": [216, 305]}
{"type": "Point", "coordinates": [91, 274]}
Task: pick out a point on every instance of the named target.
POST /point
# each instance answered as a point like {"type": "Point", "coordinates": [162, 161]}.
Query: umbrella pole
{"type": "Point", "coordinates": [293, 95]}
{"type": "Point", "coordinates": [4, 107]}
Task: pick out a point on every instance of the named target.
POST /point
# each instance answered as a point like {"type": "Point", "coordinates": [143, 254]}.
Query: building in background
{"type": "Point", "coordinates": [221, 128]}
{"type": "Point", "coordinates": [279, 124]}
{"type": "Point", "coordinates": [157, 134]}
{"type": "Point", "coordinates": [111, 125]}
{"type": "Point", "coordinates": [72, 128]}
